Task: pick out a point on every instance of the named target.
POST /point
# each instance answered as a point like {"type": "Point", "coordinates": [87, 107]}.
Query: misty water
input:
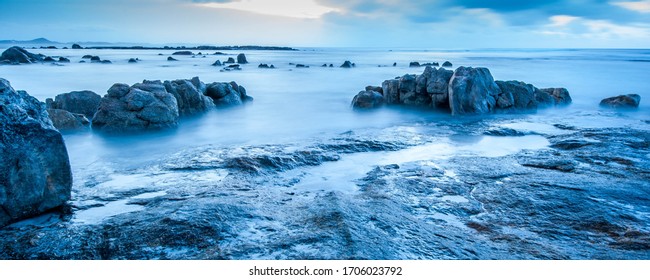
{"type": "Point", "coordinates": [302, 106]}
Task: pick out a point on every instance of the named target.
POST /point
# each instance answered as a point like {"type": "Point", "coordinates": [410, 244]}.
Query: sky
{"type": "Point", "coordinates": [462, 24]}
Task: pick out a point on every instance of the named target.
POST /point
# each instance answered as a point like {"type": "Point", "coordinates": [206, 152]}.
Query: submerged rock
{"type": "Point", "coordinates": [169, 58]}
{"type": "Point", "coordinates": [472, 91]}
{"type": "Point", "coordinates": [35, 171]}
{"type": "Point", "coordinates": [18, 55]}
{"type": "Point", "coordinates": [622, 101]}
{"type": "Point", "coordinates": [132, 60]}
{"type": "Point", "coordinates": [64, 60]}
{"type": "Point", "coordinates": [143, 106]}
{"type": "Point", "coordinates": [558, 97]}
{"type": "Point", "coordinates": [80, 102]}
{"type": "Point", "coordinates": [183, 53]}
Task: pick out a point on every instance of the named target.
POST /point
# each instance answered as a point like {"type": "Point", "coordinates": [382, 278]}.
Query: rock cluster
{"type": "Point", "coordinates": [466, 90]}
{"type": "Point", "coordinates": [35, 174]}
{"type": "Point", "coordinates": [72, 110]}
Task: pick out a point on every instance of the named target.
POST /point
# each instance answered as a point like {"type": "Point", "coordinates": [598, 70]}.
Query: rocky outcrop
{"type": "Point", "coordinates": [80, 102]}
{"type": "Point", "coordinates": [217, 63]}
{"type": "Point", "coordinates": [241, 59]}
{"type": "Point", "coordinates": [447, 64]}
{"type": "Point", "coordinates": [66, 121]}
{"type": "Point", "coordinates": [230, 60]}
{"type": "Point", "coordinates": [35, 174]}
{"type": "Point", "coordinates": [622, 101]}
{"type": "Point", "coordinates": [227, 94]}
{"type": "Point", "coordinates": [466, 90]}
{"type": "Point", "coordinates": [346, 64]}
{"type": "Point", "coordinates": [18, 55]}
{"type": "Point", "coordinates": [76, 47]}
{"type": "Point", "coordinates": [143, 106]}
{"type": "Point", "coordinates": [189, 96]}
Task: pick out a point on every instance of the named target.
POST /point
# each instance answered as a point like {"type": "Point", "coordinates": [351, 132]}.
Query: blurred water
{"type": "Point", "coordinates": [293, 105]}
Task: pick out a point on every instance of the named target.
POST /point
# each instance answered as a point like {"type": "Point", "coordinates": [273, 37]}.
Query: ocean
{"type": "Point", "coordinates": [298, 108]}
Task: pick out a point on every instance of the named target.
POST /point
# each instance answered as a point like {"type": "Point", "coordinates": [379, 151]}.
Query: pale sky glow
{"type": "Point", "coordinates": [288, 8]}
{"type": "Point", "coordinates": [335, 23]}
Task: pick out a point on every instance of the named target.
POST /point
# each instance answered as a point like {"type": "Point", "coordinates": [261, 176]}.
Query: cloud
{"type": "Point", "coordinates": [308, 9]}
{"type": "Point", "coordinates": [637, 6]}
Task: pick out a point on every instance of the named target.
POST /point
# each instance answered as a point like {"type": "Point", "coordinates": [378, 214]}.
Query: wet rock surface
{"type": "Point", "coordinates": [393, 193]}
{"type": "Point", "coordinates": [628, 101]}
{"type": "Point", "coordinates": [35, 174]}
{"type": "Point", "coordinates": [80, 102]}
{"type": "Point", "coordinates": [18, 55]}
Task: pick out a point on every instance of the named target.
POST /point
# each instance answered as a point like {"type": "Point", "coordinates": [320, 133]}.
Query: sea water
{"type": "Point", "coordinates": [294, 105]}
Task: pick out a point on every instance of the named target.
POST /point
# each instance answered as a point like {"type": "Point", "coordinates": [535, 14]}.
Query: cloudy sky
{"type": "Point", "coordinates": [339, 23]}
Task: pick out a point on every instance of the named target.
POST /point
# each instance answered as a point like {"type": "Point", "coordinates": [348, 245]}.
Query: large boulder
{"type": "Point", "coordinates": [622, 101]}
{"type": "Point", "coordinates": [368, 99]}
{"type": "Point", "coordinates": [472, 91]}
{"type": "Point", "coordinates": [76, 47]}
{"type": "Point", "coordinates": [18, 55]}
{"type": "Point", "coordinates": [79, 102]}
{"type": "Point", "coordinates": [66, 121]}
{"type": "Point", "coordinates": [409, 94]}
{"type": "Point", "coordinates": [227, 94]}
{"type": "Point", "coordinates": [241, 59]}
{"type": "Point", "coordinates": [143, 106]}
{"type": "Point", "coordinates": [516, 96]}
{"type": "Point", "coordinates": [189, 96]}
{"type": "Point", "coordinates": [35, 174]}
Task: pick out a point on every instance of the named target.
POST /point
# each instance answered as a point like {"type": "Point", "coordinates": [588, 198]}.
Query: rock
{"type": "Point", "coordinates": [390, 89]}
{"type": "Point", "coordinates": [414, 64]}
{"type": "Point", "coordinates": [571, 144]}
{"type": "Point", "coordinates": [560, 165]}
{"type": "Point", "coordinates": [302, 66]}
{"type": "Point", "coordinates": [35, 174]}
{"type": "Point", "coordinates": [80, 102]}
{"type": "Point", "coordinates": [169, 58]}
{"type": "Point", "coordinates": [437, 86]}
{"type": "Point", "coordinates": [472, 91]}
{"type": "Point", "coordinates": [266, 66]}
{"type": "Point", "coordinates": [183, 53]}
{"type": "Point", "coordinates": [622, 101]}
{"type": "Point", "coordinates": [143, 106]}
{"type": "Point", "coordinates": [64, 60]}
{"type": "Point", "coordinates": [87, 56]}
{"type": "Point", "coordinates": [394, 64]}
{"type": "Point", "coordinates": [217, 63]}
{"type": "Point", "coordinates": [516, 95]}
{"type": "Point", "coordinates": [409, 94]}
{"type": "Point", "coordinates": [230, 60]}
{"type": "Point", "coordinates": [48, 59]}
{"type": "Point", "coordinates": [227, 94]}
{"type": "Point", "coordinates": [331, 65]}
{"type": "Point", "coordinates": [241, 59]}
{"type": "Point", "coordinates": [374, 88]}
{"type": "Point", "coordinates": [430, 64]}
{"type": "Point", "coordinates": [368, 99]}
{"type": "Point", "coordinates": [446, 64]}
{"type": "Point", "coordinates": [132, 60]}
{"type": "Point", "coordinates": [560, 96]}
{"type": "Point", "coordinates": [66, 121]}
{"type": "Point", "coordinates": [76, 47]}
{"type": "Point", "coordinates": [189, 96]}
{"type": "Point", "coordinates": [504, 131]}
{"type": "Point", "coordinates": [106, 61]}
{"type": "Point", "coordinates": [18, 55]}
{"type": "Point", "coordinates": [324, 65]}
{"type": "Point", "coordinates": [95, 59]}
{"type": "Point", "coordinates": [346, 64]}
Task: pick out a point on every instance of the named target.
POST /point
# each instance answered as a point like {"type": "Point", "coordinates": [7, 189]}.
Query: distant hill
{"type": "Point", "coordinates": [35, 41]}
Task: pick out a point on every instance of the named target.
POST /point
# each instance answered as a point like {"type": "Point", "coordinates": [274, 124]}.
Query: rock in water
{"type": "Point", "coordinates": [346, 64]}
{"type": "Point", "coordinates": [622, 101]}
{"type": "Point", "coordinates": [64, 120]}
{"type": "Point", "coordinates": [189, 96]}
{"type": "Point", "coordinates": [35, 171]}
{"type": "Point", "coordinates": [183, 53]}
{"type": "Point", "coordinates": [472, 91]}
{"type": "Point", "coordinates": [230, 60]}
{"type": "Point", "coordinates": [76, 47]}
{"type": "Point", "coordinates": [447, 64]}
{"type": "Point", "coordinates": [80, 102]}
{"type": "Point", "coordinates": [516, 95]}
{"type": "Point", "coordinates": [368, 99]}
{"type": "Point", "coordinates": [227, 94]}
{"type": "Point", "coordinates": [437, 86]}
{"type": "Point", "coordinates": [558, 96]}
{"type": "Point", "coordinates": [217, 63]}
{"type": "Point", "coordinates": [169, 58]}
{"type": "Point", "coordinates": [18, 55]}
{"type": "Point", "coordinates": [143, 106]}
{"type": "Point", "coordinates": [241, 59]}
